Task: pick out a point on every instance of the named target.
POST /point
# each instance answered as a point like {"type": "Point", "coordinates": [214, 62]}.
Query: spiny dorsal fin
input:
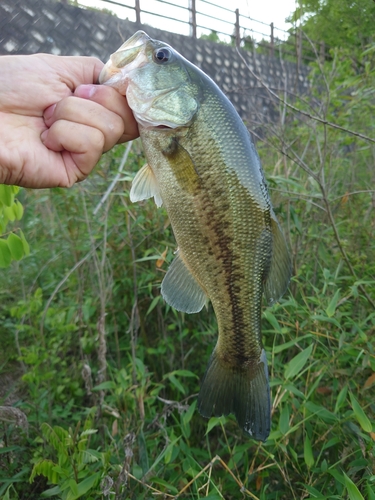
{"type": "Point", "coordinates": [145, 186]}
{"type": "Point", "coordinates": [281, 266]}
{"type": "Point", "coordinates": [180, 289]}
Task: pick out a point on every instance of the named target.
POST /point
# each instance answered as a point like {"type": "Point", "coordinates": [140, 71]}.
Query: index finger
{"type": "Point", "coordinates": [113, 101]}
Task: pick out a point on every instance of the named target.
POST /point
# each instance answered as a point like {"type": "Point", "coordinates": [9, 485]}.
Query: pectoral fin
{"type": "Point", "coordinates": [145, 186]}
{"type": "Point", "coordinates": [181, 290]}
{"type": "Point", "coordinates": [182, 165]}
{"type": "Point", "coordinates": [281, 266]}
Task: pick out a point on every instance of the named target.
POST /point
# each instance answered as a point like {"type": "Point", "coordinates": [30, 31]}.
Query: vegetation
{"type": "Point", "coordinates": [107, 374]}
{"type": "Point", "coordinates": [336, 23]}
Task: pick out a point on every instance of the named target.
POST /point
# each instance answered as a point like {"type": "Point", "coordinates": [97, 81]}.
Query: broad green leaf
{"type": "Point", "coordinates": [10, 489]}
{"type": "Point", "coordinates": [109, 384]}
{"type": "Point", "coordinates": [326, 319]}
{"type": "Point", "coordinates": [353, 491]}
{"type": "Point", "coordinates": [336, 474]}
{"type": "Point", "coordinates": [15, 246]}
{"type": "Point", "coordinates": [331, 309]}
{"type": "Point", "coordinates": [8, 449]}
{"type": "Point", "coordinates": [18, 209]}
{"type": "Point", "coordinates": [284, 419]}
{"type": "Point", "coordinates": [6, 496]}
{"type": "Point", "coordinates": [9, 212]}
{"type": "Point", "coordinates": [5, 255]}
{"type": "Point", "coordinates": [142, 452]}
{"type": "Point", "coordinates": [184, 373]}
{"type": "Point", "coordinates": [56, 490]}
{"type": "Point", "coordinates": [169, 452]}
{"type": "Point", "coordinates": [322, 412]}
{"type": "Point", "coordinates": [153, 304]}
{"type": "Point", "coordinates": [290, 387]}
{"type": "Point", "coordinates": [186, 416]}
{"type": "Point", "coordinates": [341, 398]}
{"type": "Point", "coordinates": [296, 364]}
{"type": "Point", "coordinates": [370, 492]}
{"type": "Point", "coordinates": [163, 483]}
{"type": "Point", "coordinates": [272, 320]}
{"type": "Point", "coordinates": [73, 487]}
{"type": "Point", "coordinates": [6, 195]}
{"type": "Point", "coordinates": [360, 415]}
{"type": "Point", "coordinates": [159, 457]}
{"type": "Point", "coordinates": [307, 452]}
{"type": "Point", "coordinates": [213, 422]}
{"type": "Point", "coordinates": [314, 492]}
{"type": "Point", "coordinates": [177, 383]}
{"type": "Point", "coordinates": [26, 246]}
{"type": "Point", "coordinates": [84, 486]}
{"type": "Point", "coordinates": [88, 432]}
{"type": "Point", "coordinates": [291, 343]}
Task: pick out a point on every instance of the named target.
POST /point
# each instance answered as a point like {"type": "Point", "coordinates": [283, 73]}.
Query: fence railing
{"type": "Point", "coordinates": [203, 17]}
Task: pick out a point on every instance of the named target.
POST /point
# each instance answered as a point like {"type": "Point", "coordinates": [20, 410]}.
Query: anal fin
{"type": "Point", "coordinates": [180, 289]}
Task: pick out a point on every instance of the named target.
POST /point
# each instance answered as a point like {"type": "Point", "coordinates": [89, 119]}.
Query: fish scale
{"type": "Point", "coordinates": [203, 167]}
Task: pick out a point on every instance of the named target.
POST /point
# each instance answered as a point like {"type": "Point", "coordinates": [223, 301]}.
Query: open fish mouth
{"type": "Point", "coordinates": [130, 54]}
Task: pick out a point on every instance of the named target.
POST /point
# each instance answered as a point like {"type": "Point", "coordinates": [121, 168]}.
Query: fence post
{"type": "Point", "coordinates": [138, 11]}
{"type": "Point", "coordinates": [193, 19]}
{"type": "Point", "coordinates": [237, 29]}
{"type": "Point", "coordinates": [272, 41]}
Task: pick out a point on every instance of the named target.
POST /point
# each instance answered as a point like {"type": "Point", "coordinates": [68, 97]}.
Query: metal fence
{"type": "Point", "coordinates": [203, 17]}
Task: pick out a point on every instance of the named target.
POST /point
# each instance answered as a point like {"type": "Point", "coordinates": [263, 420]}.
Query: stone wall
{"type": "Point", "coordinates": [30, 26]}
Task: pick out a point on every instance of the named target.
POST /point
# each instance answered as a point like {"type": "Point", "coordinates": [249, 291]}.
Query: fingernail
{"type": "Point", "coordinates": [43, 136]}
{"type": "Point", "coordinates": [85, 91]}
{"type": "Point", "coordinates": [48, 112]}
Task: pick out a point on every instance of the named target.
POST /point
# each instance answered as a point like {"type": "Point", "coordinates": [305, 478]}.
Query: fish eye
{"type": "Point", "coordinates": [162, 55]}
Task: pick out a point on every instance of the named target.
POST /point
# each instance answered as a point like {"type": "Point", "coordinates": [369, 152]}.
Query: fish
{"type": "Point", "coordinates": [203, 167]}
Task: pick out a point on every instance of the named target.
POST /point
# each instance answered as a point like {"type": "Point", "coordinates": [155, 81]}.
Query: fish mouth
{"type": "Point", "coordinates": [124, 56]}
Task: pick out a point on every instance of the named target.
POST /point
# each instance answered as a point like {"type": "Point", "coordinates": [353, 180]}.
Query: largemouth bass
{"type": "Point", "coordinates": [203, 166]}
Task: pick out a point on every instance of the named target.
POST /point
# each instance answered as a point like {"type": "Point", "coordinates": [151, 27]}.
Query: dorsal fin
{"type": "Point", "coordinates": [281, 266]}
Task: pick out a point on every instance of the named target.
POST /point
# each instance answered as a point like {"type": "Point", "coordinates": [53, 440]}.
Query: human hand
{"type": "Point", "coordinates": [54, 122]}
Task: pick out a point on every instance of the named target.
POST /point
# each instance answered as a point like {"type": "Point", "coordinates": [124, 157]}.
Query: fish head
{"type": "Point", "coordinates": [156, 80]}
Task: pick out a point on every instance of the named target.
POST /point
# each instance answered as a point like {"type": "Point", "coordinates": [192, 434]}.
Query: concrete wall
{"type": "Point", "coordinates": [30, 26]}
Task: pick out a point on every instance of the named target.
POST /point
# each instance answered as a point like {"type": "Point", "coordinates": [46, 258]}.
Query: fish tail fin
{"type": "Point", "coordinates": [245, 392]}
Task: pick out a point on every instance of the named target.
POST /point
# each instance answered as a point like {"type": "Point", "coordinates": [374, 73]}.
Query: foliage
{"type": "Point", "coordinates": [212, 37]}
{"type": "Point", "coordinates": [107, 373]}
{"type": "Point", "coordinates": [336, 23]}
{"type": "Point", "coordinates": [14, 246]}
{"type": "Point", "coordinates": [74, 472]}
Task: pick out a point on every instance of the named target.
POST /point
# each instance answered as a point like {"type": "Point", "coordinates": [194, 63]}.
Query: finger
{"type": "Point", "coordinates": [73, 70]}
{"type": "Point", "coordinates": [81, 147]}
{"type": "Point", "coordinates": [111, 99]}
{"type": "Point", "coordinates": [89, 113]}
